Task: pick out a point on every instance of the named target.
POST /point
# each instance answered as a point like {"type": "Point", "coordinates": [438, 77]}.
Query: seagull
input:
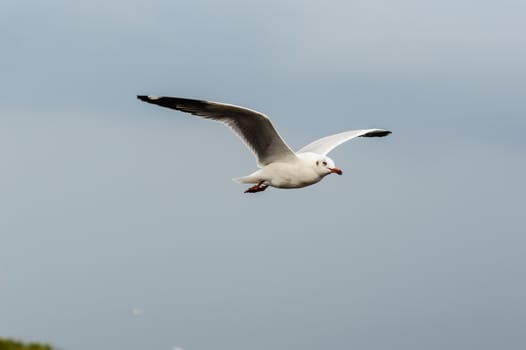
{"type": "Point", "coordinates": [280, 167]}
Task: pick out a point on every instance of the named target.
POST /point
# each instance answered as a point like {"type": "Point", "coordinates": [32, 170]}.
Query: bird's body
{"type": "Point", "coordinates": [280, 167]}
{"type": "Point", "coordinates": [293, 174]}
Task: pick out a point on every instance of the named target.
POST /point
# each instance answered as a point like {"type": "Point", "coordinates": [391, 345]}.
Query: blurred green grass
{"type": "Point", "coordinates": [9, 344]}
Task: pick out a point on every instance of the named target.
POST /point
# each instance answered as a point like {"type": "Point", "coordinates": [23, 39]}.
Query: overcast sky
{"type": "Point", "coordinates": [120, 227]}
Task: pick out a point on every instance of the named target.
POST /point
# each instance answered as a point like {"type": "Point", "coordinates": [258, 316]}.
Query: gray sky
{"type": "Point", "coordinates": [109, 205]}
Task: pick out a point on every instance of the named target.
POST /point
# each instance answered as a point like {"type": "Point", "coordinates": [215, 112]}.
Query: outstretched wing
{"type": "Point", "coordinates": [254, 128]}
{"type": "Point", "coordinates": [325, 145]}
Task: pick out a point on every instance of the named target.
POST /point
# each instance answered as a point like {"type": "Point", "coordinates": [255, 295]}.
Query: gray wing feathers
{"type": "Point", "coordinates": [254, 128]}
{"type": "Point", "coordinates": [328, 143]}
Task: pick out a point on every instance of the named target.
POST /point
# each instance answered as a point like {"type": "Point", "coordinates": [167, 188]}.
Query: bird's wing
{"type": "Point", "coordinates": [328, 143]}
{"type": "Point", "coordinates": [254, 128]}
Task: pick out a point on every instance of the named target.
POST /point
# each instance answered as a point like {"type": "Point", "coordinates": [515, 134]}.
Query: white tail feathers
{"type": "Point", "coordinates": [245, 180]}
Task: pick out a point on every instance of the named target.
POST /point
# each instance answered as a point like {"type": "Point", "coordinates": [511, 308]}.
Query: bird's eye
{"type": "Point", "coordinates": [324, 163]}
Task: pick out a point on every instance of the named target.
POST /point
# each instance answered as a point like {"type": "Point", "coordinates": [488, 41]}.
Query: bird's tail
{"type": "Point", "coordinates": [246, 180]}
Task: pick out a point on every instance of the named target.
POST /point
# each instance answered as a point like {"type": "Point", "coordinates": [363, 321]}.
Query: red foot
{"type": "Point", "coordinates": [257, 188]}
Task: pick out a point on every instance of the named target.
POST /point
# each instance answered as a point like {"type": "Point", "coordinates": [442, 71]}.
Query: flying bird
{"type": "Point", "coordinates": [280, 167]}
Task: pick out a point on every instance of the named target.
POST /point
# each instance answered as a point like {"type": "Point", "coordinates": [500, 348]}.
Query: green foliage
{"type": "Point", "coordinates": [8, 344]}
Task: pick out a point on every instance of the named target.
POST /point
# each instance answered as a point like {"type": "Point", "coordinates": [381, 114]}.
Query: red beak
{"type": "Point", "coordinates": [336, 170]}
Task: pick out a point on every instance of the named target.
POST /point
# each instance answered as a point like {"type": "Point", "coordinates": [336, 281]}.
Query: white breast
{"type": "Point", "coordinates": [290, 175]}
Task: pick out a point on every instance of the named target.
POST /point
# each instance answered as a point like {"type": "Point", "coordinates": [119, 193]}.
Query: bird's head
{"type": "Point", "coordinates": [325, 166]}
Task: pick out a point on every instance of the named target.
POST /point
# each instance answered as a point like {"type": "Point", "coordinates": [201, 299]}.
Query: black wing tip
{"type": "Point", "coordinates": [377, 133]}
{"type": "Point", "coordinates": [165, 99]}
{"type": "Point", "coordinates": [146, 98]}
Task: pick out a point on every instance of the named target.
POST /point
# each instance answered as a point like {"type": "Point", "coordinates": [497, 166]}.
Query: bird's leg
{"type": "Point", "coordinates": [257, 188]}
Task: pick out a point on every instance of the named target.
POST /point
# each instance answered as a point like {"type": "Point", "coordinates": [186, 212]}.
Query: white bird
{"type": "Point", "coordinates": [280, 167]}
